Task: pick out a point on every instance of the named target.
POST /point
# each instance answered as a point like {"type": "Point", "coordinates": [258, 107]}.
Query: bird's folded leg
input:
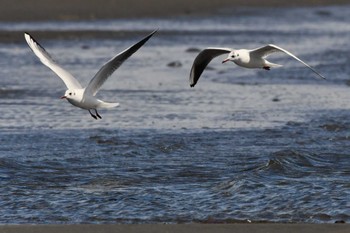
{"type": "Point", "coordinates": [98, 114]}
{"type": "Point", "coordinates": [92, 115]}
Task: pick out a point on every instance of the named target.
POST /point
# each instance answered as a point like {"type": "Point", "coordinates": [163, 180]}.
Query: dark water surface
{"type": "Point", "coordinates": [243, 145]}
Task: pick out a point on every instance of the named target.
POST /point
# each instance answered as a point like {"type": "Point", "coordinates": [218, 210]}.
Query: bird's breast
{"type": "Point", "coordinates": [249, 62]}
{"type": "Point", "coordinates": [75, 103]}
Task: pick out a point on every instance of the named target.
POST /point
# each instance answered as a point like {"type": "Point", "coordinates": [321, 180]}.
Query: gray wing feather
{"type": "Point", "coordinates": [202, 60]}
{"type": "Point", "coordinates": [113, 64]}
{"type": "Point", "coordinates": [268, 49]}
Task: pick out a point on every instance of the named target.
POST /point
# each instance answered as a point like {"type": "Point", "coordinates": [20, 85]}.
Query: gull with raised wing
{"type": "Point", "coordinates": [242, 57]}
{"type": "Point", "coordinates": [77, 95]}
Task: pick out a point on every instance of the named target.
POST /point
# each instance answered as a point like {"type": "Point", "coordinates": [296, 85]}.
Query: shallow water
{"type": "Point", "coordinates": [242, 145]}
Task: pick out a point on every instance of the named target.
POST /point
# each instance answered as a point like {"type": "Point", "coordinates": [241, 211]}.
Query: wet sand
{"type": "Point", "coordinates": [65, 10]}
{"type": "Point", "coordinates": [38, 10]}
{"type": "Point", "coordinates": [179, 228]}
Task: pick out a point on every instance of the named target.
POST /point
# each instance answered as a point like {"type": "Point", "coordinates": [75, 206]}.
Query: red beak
{"type": "Point", "coordinates": [63, 97]}
{"type": "Point", "coordinates": [226, 60]}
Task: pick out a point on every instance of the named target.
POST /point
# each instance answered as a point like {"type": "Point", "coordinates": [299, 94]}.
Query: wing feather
{"type": "Point", "coordinates": [108, 68]}
{"type": "Point", "coordinates": [46, 59]}
{"type": "Point", "coordinates": [269, 49]}
{"type": "Point", "coordinates": [202, 60]}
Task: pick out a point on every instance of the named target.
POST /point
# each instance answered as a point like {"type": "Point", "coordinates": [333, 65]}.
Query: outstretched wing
{"type": "Point", "coordinates": [268, 49]}
{"type": "Point", "coordinates": [113, 64]}
{"type": "Point", "coordinates": [202, 60]}
{"type": "Point", "coordinates": [46, 59]}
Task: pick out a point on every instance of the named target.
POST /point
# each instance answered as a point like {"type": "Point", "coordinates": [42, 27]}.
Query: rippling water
{"type": "Point", "coordinates": [242, 145]}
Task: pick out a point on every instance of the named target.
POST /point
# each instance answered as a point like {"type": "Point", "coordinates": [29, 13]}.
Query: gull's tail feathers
{"type": "Point", "coordinates": [103, 104]}
{"type": "Point", "coordinates": [270, 64]}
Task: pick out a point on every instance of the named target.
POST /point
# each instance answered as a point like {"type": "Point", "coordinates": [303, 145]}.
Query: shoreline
{"type": "Point", "coordinates": [66, 10]}
{"type": "Point", "coordinates": [180, 228]}
{"type": "Point", "coordinates": [17, 36]}
{"type": "Point", "coordinates": [18, 11]}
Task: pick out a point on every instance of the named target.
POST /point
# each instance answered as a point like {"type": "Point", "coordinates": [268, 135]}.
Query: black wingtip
{"type": "Point", "coordinates": [192, 85]}
{"type": "Point", "coordinates": [152, 33]}
{"type": "Point", "coordinates": [31, 38]}
{"type": "Point", "coordinates": [148, 37]}
{"type": "Point", "coordinates": [27, 34]}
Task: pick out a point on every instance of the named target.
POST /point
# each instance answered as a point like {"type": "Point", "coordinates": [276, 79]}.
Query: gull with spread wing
{"type": "Point", "coordinates": [242, 57]}
{"type": "Point", "coordinates": [77, 95]}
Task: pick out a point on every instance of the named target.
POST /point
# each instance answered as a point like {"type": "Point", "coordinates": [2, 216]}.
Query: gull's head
{"type": "Point", "coordinates": [232, 56]}
{"type": "Point", "coordinates": [70, 94]}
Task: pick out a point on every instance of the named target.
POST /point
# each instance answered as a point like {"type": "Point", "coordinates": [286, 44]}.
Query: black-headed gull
{"type": "Point", "coordinates": [77, 95]}
{"type": "Point", "coordinates": [254, 58]}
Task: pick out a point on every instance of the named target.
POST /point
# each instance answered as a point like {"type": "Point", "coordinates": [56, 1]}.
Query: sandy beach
{"type": "Point", "coordinates": [37, 10]}
{"type": "Point", "coordinates": [43, 10]}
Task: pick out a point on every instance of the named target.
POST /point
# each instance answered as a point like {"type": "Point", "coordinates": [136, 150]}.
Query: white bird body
{"type": "Point", "coordinates": [78, 99]}
{"type": "Point", "coordinates": [251, 62]}
{"type": "Point", "coordinates": [252, 59]}
{"type": "Point", "coordinates": [77, 95]}
{"type": "Point", "coordinates": [245, 60]}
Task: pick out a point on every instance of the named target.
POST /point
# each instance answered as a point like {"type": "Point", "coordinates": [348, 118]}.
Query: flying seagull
{"type": "Point", "coordinates": [242, 57]}
{"type": "Point", "coordinates": [75, 94]}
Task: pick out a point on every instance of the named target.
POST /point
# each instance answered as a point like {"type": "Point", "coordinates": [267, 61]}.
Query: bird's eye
{"type": "Point", "coordinates": [233, 56]}
{"type": "Point", "coordinates": [70, 93]}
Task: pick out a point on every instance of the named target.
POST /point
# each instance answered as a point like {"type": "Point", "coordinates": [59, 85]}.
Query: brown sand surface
{"type": "Point", "coordinates": [65, 10]}
{"type": "Point", "coordinates": [17, 36]}
{"type": "Point", "coordinates": [180, 228]}
{"type": "Point", "coordinates": [34, 10]}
